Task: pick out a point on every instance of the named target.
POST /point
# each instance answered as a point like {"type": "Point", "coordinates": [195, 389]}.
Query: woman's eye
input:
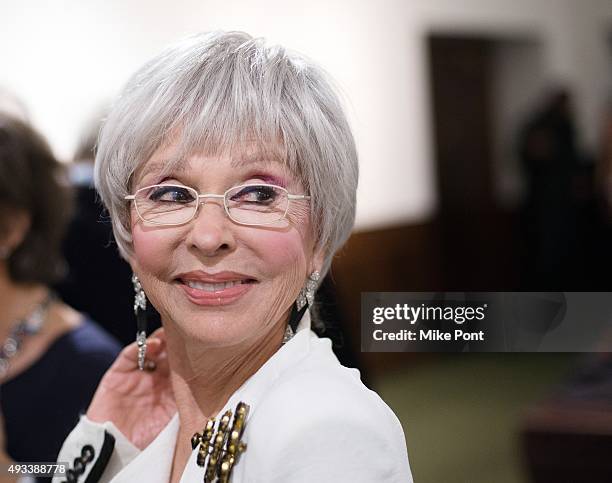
{"type": "Point", "coordinates": [174, 194]}
{"type": "Point", "coordinates": [256, 194]}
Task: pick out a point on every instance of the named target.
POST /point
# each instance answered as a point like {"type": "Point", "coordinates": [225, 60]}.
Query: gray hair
{"type": "Point", "coordinates": [219, 91]}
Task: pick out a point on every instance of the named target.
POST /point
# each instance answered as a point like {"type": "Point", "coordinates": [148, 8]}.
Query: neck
{"type": "Point", "coordinates": [17, 300]}
{"type": "Point", "coordinates": [203, 380]}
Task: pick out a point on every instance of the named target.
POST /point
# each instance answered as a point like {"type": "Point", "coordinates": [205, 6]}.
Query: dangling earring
{"type": "Point", "coordinates": [288, 334]}
{"type": "Point", "coordinates": [140, 310]}
{"type": "Point", "coordinates": [305, 297]}
{"type": "Point", "coordinates": [307, 293]}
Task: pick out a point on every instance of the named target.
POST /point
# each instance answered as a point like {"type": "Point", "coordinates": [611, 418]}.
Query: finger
{"type": "Point", "coordinates": [159, 334]}
{"type": "Point", "coordinates": [155, 346]}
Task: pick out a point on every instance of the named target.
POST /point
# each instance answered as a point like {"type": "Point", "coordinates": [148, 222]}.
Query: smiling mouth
{"type": "Point", "coordinates": [209, 293]}
{"type": "Point", "coordinates": [215, 287]}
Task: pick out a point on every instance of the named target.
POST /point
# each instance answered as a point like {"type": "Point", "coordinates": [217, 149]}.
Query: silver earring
{"type": "Point", "coordinates": [307, 293]}
{"type": "Point", "coordinates": [288, 334]}
{"type": "Point", "coordinates": [140, 310]}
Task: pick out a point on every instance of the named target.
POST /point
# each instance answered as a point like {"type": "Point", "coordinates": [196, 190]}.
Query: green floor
{"type": "Point", "coordinates": [461, 412]}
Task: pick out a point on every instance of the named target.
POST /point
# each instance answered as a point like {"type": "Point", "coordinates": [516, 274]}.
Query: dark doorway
{"type": "Point", "coordinates": [479, 246]}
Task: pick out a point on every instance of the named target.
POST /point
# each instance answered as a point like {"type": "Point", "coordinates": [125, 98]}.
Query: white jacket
{"type": "Point", "coordinates": [310, 420]}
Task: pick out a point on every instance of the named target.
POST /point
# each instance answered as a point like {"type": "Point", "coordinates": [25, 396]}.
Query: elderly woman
{"type": "Point", "coordinates": [229, 171]}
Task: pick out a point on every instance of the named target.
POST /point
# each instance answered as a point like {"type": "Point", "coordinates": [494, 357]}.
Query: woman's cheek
{"type": "Point", "coordinates": [150, 249]}
{"type": "Point", "coordinates": [285, 270]}
{"type": "Point", "coordinates": [281, 251]}
{"type": "Point", "coordinates": [290, 266]}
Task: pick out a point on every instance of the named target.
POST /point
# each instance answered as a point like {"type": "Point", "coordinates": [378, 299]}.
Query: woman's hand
{"type": "Point", "coordinates": [139, 403]}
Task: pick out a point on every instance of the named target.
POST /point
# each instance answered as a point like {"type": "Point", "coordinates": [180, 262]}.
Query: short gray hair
{"type": "Point", "coordinates": [219, 90]}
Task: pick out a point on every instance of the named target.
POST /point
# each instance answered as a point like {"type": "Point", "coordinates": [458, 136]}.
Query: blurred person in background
{"type": "Point", "coordinates": [51, 356]}
{"type": "Point", "coordinates": [604, 166]}
{"type": "Point", "coordinates": [551, 163]}
{"type": "Point", "coordinates": [96, 274]}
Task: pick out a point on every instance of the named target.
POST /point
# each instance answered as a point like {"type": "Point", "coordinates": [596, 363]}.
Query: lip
{"type": "Point", "coordinates": [218, 297]}
{"type": "Point", "coordinates": [225, 276]}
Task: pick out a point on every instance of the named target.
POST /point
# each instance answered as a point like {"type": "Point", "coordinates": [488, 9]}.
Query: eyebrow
{"type": "Point", "coordinates": [255, 158]}
{"type": "Point", "coordinates": [159, 166]}
{"type": "Point", "coordinates": [238, 162]}
{"type": "Point", "coordinates": [153, 169]}
{"type": "Point", "coordinates": [242, 161]}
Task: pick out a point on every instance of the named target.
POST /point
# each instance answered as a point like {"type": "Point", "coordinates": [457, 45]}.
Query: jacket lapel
{"type": "Point", "coordinates": [252, 391]}
{"type": "Point", "coordinates": [154, 463]}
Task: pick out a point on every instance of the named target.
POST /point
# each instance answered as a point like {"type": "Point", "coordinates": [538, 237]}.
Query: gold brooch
{"type": "Point", "coordinates": [219, 450]}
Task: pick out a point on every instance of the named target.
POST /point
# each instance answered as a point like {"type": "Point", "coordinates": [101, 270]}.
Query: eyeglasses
{"type": "Point", "coordinates": [248, 204]}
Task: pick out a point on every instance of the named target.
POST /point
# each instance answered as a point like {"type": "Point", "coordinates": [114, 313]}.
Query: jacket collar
{"type": "Point", "coordinates": [161, 450]}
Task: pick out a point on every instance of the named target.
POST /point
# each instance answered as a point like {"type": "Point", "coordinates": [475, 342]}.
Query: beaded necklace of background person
{"type": "Point", "coordinates": [29, 325]}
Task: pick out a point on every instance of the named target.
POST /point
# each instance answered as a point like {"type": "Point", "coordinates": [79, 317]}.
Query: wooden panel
{"type": "Point", "coordinates": [402, 258]}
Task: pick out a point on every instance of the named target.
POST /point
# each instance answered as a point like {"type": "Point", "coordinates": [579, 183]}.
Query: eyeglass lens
{"type": "Point", "coordinates": [249, 204]}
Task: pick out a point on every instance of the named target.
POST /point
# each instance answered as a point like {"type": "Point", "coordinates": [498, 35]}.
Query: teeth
{"type": "Point", "coordinates": [212, 287]}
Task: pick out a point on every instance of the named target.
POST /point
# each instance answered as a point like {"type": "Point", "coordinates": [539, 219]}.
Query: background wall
{"type": "Point", "coordinates": [67, 59]}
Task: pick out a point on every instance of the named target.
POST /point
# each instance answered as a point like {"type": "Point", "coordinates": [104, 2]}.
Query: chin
{"type": "Point", "coordinates": [213, 326]}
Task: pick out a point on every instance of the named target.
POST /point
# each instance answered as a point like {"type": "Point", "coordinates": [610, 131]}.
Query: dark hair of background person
{"type": "Point", "coordinates": [98, 280]}
{"type": "Point", "coordinates": [45, 196]}
{"type": "Point", "coordinates": [86, 149]}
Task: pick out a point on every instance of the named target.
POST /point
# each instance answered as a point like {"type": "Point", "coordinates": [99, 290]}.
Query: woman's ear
{"type": "Point", "coordinates": [16, 227]}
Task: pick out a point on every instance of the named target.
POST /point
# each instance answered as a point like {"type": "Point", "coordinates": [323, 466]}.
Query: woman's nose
{"type": "Point", "coordinates": [211, 231]}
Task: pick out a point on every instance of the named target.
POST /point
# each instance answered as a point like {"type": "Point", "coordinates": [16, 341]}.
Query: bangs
{"type": "Point", "coordinates": [238, 104]}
